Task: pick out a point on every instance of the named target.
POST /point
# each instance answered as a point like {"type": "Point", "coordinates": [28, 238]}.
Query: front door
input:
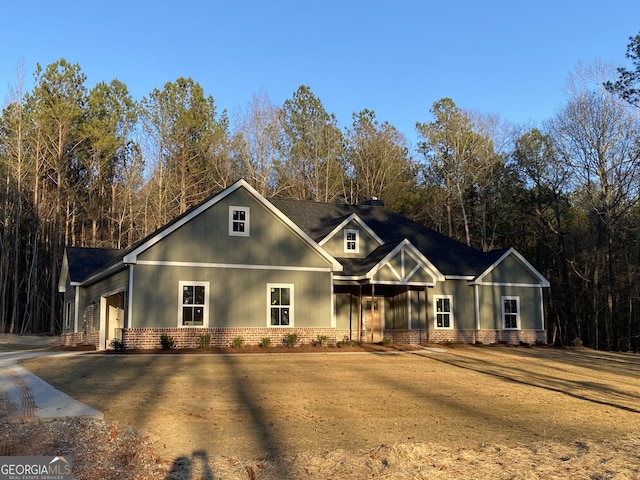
{"type": "Point", "coordinates": [114, 317]}
{"type": "Point", "coordinates": [373, 319]}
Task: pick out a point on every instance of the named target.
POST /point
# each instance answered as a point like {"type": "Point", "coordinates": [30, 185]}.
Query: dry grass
{"type": "Point", "coordinates": [489, 412]}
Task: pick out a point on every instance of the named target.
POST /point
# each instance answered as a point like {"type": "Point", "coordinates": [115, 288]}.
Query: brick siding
{"type": "Point", "coordinates": [149, 338]}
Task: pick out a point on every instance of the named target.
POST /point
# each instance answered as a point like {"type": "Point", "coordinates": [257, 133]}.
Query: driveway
{"type": "Point", "coordinates": [24, 396]}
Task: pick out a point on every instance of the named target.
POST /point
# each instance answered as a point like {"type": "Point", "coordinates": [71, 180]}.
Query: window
{"type": "Point", "coordinates": [280, 298]}
{"type": "Point", "coordinates": [511, 312]}
{"type": "Point", "coordinates": [351, 241]}
{"type": "Point", "coordinates": [194, 307]}
{"type": "Point", "coordinates": [443, 314]}
{"type": "Point", "coordinates": [239, 221]}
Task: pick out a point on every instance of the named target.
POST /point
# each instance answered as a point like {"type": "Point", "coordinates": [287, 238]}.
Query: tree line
{"type": "Point", "coordinates": [95, 167]}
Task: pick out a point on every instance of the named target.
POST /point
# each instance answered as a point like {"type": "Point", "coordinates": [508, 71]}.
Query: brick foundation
{"type": "Point", "coordinates": [149, 338]}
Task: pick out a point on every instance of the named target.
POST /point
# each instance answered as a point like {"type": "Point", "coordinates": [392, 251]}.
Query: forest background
{"type": "Point", "coordinates": [95, 167]}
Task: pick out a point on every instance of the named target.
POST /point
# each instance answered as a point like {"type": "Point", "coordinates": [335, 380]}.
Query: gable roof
{"type": "Point", "coordinates": [480, 280]}
{"type": "Point", "coordinates": [448, 256]}
{"type": "Point", "coordinates": [79, 263]}
{"type": "Point", "coordinates": [132, 255]}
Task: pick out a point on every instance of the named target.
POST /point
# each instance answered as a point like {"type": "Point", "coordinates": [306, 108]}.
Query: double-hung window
{"type": "Point", "coordinates": [194, 305]}
{"type": "Point", "coordinates": [351, 241]}
{"type": "Point", "coordinates": [239, 221]}
{"type": "Point", "coordinates": [511, 312]}
{"type": "Point", "coordinates": [443, 311]}
{"type": "Point", "coordinates": [280, 298]}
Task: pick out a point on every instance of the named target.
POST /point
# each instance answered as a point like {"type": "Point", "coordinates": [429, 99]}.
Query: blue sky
{"type": "Point", "coordinates": [395, 58]}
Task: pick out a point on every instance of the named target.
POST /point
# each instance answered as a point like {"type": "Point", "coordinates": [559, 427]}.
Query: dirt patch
{"type": "Point", "coordinates": [467, 403]}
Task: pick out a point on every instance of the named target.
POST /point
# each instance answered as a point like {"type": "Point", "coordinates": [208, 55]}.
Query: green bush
{"type": "Point", "coordinates": [577, 342]}
{"type": "Point", "coordinates": [387, 341]}
{"type": "Point", "coordinates": [167, 342]}
{"type": "Point", "coordinates": [204, 340]}
{"type": "Point", "coordinates": [347, 343]}
{"type": "Point", "coordinates": [322, 340]}
{"type": "Point", "coordinates": [290, 339]}
{"type": "Point", "coordinates": [266, 342]}
{"type": "Point", "coordinates": [117, 344]}
{"type": "Point", "coordinates": [237, 342]}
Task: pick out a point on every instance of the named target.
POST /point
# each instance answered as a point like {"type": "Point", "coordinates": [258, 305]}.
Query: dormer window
{"type": "Point", "coordinates": [239, 221]}
{"type": "Point", "coordinates": [351, 241]}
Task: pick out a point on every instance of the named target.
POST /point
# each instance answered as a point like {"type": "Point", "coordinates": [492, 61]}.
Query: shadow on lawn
{"type": "Point", "coordinates": [570, 387]}
{"type": "Point", "coordinates": [197, 466]}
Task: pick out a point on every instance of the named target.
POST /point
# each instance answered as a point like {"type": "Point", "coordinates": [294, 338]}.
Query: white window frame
{"type": "Point", "coordinates": [246, 222]}
{"type": "Point", "coordinates": [356, 241]}
{"type": "Point", "coordinates": [205, 307]}
{"type": "Point", "coordinates": [291, 304]}
{"type": "Point", "coordinates": [435, 311]}
{"type": "Point", "coordinates": [504, 313]}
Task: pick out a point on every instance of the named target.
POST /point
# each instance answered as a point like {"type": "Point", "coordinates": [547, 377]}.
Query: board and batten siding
{"type": "Point", "coordinates": [205, 238]}
{"type": "Point", "coordinates": [237, 297]}
{"type": "Point", "coordinates": [490, 302]}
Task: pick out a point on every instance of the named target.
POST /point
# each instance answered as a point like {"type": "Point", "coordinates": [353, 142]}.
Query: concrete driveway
{"type": "Point", "coordinates": [24, 396]}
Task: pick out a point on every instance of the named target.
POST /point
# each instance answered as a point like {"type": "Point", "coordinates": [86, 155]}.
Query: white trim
{"type": "Point", "coordinates": [76, 314]}
{"type": "Point", "coordinates": [333, 303]}
{"type": "Point", "coordinates": [291, 304]}
{"type": "Point", "coordinates": [356, 241]}
{"type": "Point", "coordinates": [128, 291]}
{"type": "Point", "coordinates": [351, 218]}
{"type": "Point", "coordinates": [132, 256]}
{"type": "Point", "coordinates": [232, 265]}
{"type": "Point", "coordinates": [505, 284]}
{"type": "Point", "coordinates": [543, 282]}
{"type": "Point", "coordinates": [541, 302]}
{"type": "Point", "coordinates": [450, 312]}
{"type": "Point", "coordinates": [414, 253]}
{"type": "Point", "coordinates": [205, 307]}
{"type": "Point", "coordinates": [476, 299]}
{"type": "Point", "coordinates": [246, 232]}
{"type": "Point", "coordinates": [502, 300]}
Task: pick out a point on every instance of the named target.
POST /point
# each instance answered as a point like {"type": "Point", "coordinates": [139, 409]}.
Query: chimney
{"type": "Point", "coordinates": [374, 202]}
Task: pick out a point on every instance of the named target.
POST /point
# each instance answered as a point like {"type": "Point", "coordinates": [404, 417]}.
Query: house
{"type": "Point", "coordinates": [241, 265]}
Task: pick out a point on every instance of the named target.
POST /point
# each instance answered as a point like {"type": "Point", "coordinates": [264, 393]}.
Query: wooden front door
{"type": "Point", "coordinates": [373, 319]}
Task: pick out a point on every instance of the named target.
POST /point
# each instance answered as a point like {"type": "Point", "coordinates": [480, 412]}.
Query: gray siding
{"type": "Point", "coordinates": [205, 238]}
{"type": "Point", "coordinates": [463, 303]}
{"type": "Point", "coordinates": [237, 297]}
{"type": "Point", "coordinates": [335, 245]}
{"type": "Point", "coordinates": [530, 306]}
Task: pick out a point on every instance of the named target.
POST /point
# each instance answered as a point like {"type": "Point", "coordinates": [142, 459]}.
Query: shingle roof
{"type": "Point", "coordinates": [83, 261]}
{"type": "Point", "coordinates": [449, 256]}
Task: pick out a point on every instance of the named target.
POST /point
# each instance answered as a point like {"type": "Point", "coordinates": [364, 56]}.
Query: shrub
{"type": "Point", "coordinates": [117, 344]}
{"type": "Point", "coordinates": [237, 342]}
{"type": "Point", "coordinates": [290, 339]}
{"type": "Point", "coordinates": [266, 342]}
{"type": "Point", "coordinates": [322, 340]}
{"type": "Point", "coordinates": [204, 340]}
{"type": "Point", "coordinates": [167, 342]}
{"type": "Point", "coordinates": [387, 341]}
{"type": "Point", "coordinates": [347, 342]}
{"type": "Point", "coordinates": [577, 342]}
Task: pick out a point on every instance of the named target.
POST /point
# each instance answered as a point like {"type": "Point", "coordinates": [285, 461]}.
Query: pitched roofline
{"type": "Point", "coordinates": [132, 256]}
{"type": "Point", "coordinates": [479, 280]}
{"type": "Point", "coordinates": [430, 267]}
{"type": "Point", "coordinates": [351, 218]}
